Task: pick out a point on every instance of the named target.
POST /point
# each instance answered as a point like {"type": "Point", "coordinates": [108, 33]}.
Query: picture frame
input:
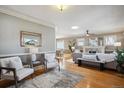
{"type": "Point", "coordinates": [30, 39]}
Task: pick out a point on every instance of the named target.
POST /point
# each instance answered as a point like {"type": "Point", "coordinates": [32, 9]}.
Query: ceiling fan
{"type": "Point", "coordinates": [88, 34]}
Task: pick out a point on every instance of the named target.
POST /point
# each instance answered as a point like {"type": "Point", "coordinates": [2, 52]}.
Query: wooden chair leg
{"type": "Point", "coordinates": [0, 74]}
{"type": "Point", "coordinates": [15, 77]}
{"type": "Point", "coordinates": [0, 77]}
{"type": "Point", "coordinates": [16, 83]}
{"type": "Point", "coordinates": [45, 67]}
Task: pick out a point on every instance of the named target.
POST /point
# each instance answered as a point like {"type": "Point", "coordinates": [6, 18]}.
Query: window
{"type": "Point", "coordinates": [80, 42]}
{"type": "Point", "coordinates": [110, 40]}
{"type": "Point", "coordinates": [60, 44]}
{"type": "Point", "coordinates": [93, 42]}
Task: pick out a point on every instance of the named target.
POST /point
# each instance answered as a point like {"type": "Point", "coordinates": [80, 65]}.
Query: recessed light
{"type": "Point", "coordinates": [74, 27]}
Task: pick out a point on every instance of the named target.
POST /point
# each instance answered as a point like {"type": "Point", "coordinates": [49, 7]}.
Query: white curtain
{"type": "Point", "coordinates": [110, 40]}
{"type": "Point", "coordinates": [60, 44]}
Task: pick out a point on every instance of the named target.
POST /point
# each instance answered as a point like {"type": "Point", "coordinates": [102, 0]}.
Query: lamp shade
{"type": "Point", "coordinates": [33, 50]}
{"type": "Point", "coordinates": [117, 44]}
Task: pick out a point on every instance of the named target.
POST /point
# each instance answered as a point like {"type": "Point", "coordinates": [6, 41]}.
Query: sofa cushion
{"type": "Point", "coordinates": [106, 57]}
{"type": "Point", "coordinates": [15, 62]}
{"type": "Point", "coordinates": [89, 57]}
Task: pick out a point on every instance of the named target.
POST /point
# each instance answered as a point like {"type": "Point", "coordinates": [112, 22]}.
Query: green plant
{"type": "Point", "coordinates": [120, 56]}
{"type": "Point", "coordinates": [71, 44]}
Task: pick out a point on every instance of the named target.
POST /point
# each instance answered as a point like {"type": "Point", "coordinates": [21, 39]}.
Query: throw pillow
{"type": "Point", "coordinates": [97, 58]}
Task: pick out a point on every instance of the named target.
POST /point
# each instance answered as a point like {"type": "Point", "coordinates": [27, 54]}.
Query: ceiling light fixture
{"type": "Point", "coordinates": [87, 33]}
{"type": "Point", "coordinates": [61, 7]}
{"type": "Point", "coordinates": [74, 27]}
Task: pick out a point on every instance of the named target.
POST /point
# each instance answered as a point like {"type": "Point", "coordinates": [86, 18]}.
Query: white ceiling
{"type": "Point", "coordinates": [97, 19]}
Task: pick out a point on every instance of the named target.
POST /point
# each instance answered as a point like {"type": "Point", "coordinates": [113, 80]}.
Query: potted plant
{"type": "Point", "coordinates": [71, 45]}
{"type": "Point", "coordinates": [120, 60]}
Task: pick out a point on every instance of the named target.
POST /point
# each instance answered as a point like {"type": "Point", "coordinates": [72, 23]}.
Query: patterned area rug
{"type": "Point", "coordinates": [52, 79]}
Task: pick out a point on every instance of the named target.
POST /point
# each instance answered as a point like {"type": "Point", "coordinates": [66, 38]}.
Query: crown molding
{"type": "Point", "coordinates": [25, 17]}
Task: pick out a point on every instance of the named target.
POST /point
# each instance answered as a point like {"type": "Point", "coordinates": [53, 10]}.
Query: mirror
{"type": "Point", "coordinates": [30, 39]}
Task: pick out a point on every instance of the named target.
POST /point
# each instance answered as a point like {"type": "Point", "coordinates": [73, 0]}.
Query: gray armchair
{"type": "Point", "coordinates": [12, 69]}
{"type": "Point", "coordinates": [75, 56]}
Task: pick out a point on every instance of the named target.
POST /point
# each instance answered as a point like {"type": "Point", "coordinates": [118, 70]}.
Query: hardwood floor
{"type": "Point", "coordinates": [93, 78]}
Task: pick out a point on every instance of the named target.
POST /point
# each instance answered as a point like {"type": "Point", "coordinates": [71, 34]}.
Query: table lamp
{"type": "Point", "coordinates": [33, 51]}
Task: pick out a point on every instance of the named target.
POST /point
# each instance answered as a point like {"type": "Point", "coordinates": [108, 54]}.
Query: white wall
{"type": "Point", "coordinates": [10, 28]}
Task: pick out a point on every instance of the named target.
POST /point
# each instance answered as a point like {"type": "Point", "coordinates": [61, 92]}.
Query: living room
{"type": "Point", "coordinates": [64, 46]}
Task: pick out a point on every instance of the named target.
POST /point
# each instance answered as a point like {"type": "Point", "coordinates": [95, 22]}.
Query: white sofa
{"type": "Point", "coordinates": [93, 59]}
{"type": "Point", "coordinates": [108, 59]}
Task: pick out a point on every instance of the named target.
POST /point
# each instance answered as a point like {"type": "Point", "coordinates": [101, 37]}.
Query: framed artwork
{"type": "Point", "coordinates": [28, 39]}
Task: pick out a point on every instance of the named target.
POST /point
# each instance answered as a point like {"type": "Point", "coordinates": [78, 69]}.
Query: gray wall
{"type": "Point", "coordinates": [10, 28]}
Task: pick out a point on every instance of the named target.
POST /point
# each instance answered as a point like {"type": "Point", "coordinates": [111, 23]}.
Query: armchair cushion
{"type": "Point", "coordinates": [52, 65]}
{"type": "Point", "coordinates": [15, 62]}
{"type": "Point", "coordinates": [21, 74]}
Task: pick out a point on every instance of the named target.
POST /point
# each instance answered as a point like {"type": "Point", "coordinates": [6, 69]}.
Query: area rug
{"type": "Point", "coordinates": [52, 79]}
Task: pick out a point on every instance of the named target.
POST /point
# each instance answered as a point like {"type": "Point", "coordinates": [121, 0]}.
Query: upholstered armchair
{"type": "Point", "coordinates": [12, 69]}
{"type": "Point", "coordinates": [51, 62]}
{"type": "Point", "coordinates": [75, 56]}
